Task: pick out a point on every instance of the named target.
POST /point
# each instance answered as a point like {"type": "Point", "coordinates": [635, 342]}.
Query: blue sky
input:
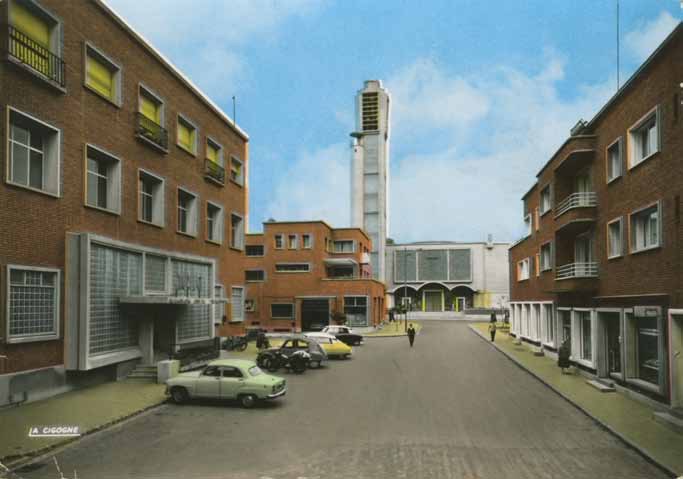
{"type": "Point", "coordinates": [483, 93]}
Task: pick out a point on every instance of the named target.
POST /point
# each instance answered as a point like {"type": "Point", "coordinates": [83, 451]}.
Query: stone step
{"type": "Point", "coordinates": [537, 350]}
{"type": "Point", "coordinates": [603, 388]}
{"type": "Point", "coordinates": [677, 412]}
{"type": "Point", "coordinates": [669, 420]}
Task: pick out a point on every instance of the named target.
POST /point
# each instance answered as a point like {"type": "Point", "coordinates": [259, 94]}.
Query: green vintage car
{"type": "Point", "coordinates": [227, 379]}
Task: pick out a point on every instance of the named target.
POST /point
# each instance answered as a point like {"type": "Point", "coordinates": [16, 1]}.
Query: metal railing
{"type": "Point", "coordinates": [151, 131]}
{"type": "Point", "coordinates": [214, 171]}
{"type": "Point", "coordinates": [577, 270]}
{"type": "Point", "coordinates": [23, 48]}
{"type": "Point", "coordinates": [576, 200]}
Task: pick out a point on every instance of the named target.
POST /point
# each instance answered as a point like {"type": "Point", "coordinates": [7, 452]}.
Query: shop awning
{"type": "Point", "coordinates": [170, 300]}
{"type": "Point", "coordinates": [340, 261]}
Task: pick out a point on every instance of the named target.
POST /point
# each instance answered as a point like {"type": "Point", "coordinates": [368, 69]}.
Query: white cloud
{"type": "Point", "coordinates": [315, 187]}
{"type": "Point", "coordinates": [642, 41]}
{"type": "Point", "coordinates": [206, 41]}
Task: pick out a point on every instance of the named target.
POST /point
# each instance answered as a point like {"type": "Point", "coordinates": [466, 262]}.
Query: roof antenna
{"type": "Point", "coordinates": [234, 111]}
{"type": "Point", "coordinates": [618, 82]}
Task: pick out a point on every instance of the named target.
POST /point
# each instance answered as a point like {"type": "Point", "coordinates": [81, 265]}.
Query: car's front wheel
{"type": "Point", "coordinates": [248, 401]}
{"type": "Point", "coordinates": [179, 394]}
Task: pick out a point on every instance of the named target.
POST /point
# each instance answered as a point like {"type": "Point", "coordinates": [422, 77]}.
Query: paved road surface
{"type": "Point", "coordinates": [450, 407]}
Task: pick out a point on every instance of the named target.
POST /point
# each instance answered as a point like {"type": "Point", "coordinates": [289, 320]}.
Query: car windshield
{"type": "Point", "coordinates": [255, 371]}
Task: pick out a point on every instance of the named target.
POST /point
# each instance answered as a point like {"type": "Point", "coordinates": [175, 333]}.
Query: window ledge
{"type": "Point", "coordinates": [254, 255]}
{"type": "Point", "coordinates": [189, 235]}
{"type": "Point", "coordinates": [543, 213]}
{"type": "Point", "coordinates": [291, 272]}
{"type": "Point", "coordinates": [103, 210]}
{"type": "Point", "coordinates": [182, 148]}
{"type": "Point", "coordinates": [151, 143]}
{"type": "Point", "coordinates": [213, 180]}
{"type": "Point", "coordinates": [254, 280]}
{"type": "Point", "coordinates": [237, 183]}
{"type": "Point", "coordinates": [35, 190]}
{"type": "Point", "coordinates": [32, 339]}
{"type": "Point", "coordinates": [29, 69]}
{"type": "Point", "coordinates": [612, 180]}
{"type": "Point", "coordinates": [235, 248]}
{"type": "Point", "coordinates": [214, 242]}
{"type": "Point", "coordinates": [644, 250]}
{"type": "Point", "coordinates": [644, 384]}
{"type": "Point", "coordinates": [156, 225]}
{"type": "Point", "coordinates": [636, 165]}
{"type": "Point", "coordinates": [616, 256]}
{"type": "Point", "coordinates": [108, 100]}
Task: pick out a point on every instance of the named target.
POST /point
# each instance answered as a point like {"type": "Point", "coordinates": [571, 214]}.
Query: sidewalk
{"type": "Point", "coordinates": [91, 409]}
{"type": "Point", "coordinates": [630, 420]}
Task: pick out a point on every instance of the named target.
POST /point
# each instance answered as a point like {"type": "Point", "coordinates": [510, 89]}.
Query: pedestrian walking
{"type": "Point", "coordinates": [492, 327]}
{"type": "Point", "coordinates": [563, 356]}
{"type": "Point", "coordinates": [411, 334]}
{"type": "Point", "coordinates": [391, 315]}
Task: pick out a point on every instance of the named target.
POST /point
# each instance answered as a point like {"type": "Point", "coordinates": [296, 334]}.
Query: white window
{"type": "Point", "coordinates": [527, 225]}
{"type": "Point", "coordinates": [292, 241]}
{"type": "Point", "coordinates": [546, 203]}
{"type": "Point", "coordinates": [546, 258]}
{"type": "Point", "coordinates": [236, 231]}
{"type": "Point", "coordinates": [219, 307]}
{"type": "Point", "coordinates": [306, 241]}
{"type": "Point", "coordinates": [214, 222]}
{"type": "Point", "coordinates": [151, 198]}
{"type": "Point", "coordinates": [585, 335]}
{"type": "Point", "coordinates": [279, 241]}
{"type": "Point", "coordinates": [254, 275]}
{"type": "Point", "coordinates": [102, 75]}
{"type": "Point", "coordinates": [615, 238]}
{"type": "Point", "coordinates": [645, 228]}
{"type": "Point", "coordinates": [292, 267]}
{"type": "Point", "coordinates": [32, 304]}
{"type": "Point", "coordinates": [237, 303]}
{"type": "Point", "coordinates": [644, 137]}
{"type": "Point", "coordinates": [523, 269]}
{"type": "Point", "coordinates": [236, 170]}
{"type": "Point", "coordinates": [282, 311]}
{"type": "Point", "coordinates": [549, 323]}
{"type": "Point", "coordinates": [187, 212]}
{"type": "Point", "coordinates": [34, 154]}
{"type": "Point", "coordinates": [344, 246]}
{"type": "Point", "coordinates": [103, 185]}
{"type": "Point", "coordinates": [614, 160]}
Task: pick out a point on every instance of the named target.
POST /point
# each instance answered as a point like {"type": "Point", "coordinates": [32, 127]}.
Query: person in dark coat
{"type": "Point", "coordinates": [391, 315]}
{"type": "Point", "coordinates": [563, 355]}
{"type": "Point", "coordinates": [492, 327]}
{"type": "Point", "coordinates": [411, 334]}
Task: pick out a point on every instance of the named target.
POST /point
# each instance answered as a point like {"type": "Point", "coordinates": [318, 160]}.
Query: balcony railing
{"type": "Point", "coordinates": [577, 270]}
{"type": "Point", "coordinates": [23, 48]}
{"type": "Point", "coordinates": [214, 171]}
{"type": "Point", "coordinates": [151, 131]}
{"type": "Point", "coordinates": [576, 200]}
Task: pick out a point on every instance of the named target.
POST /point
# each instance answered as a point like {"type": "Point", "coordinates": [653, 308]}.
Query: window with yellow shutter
{"type": "Point", "coordinates": [150, 107]}
{"type": "Point", "coordinates": [102, 75]}
{"type": "Point", "coordinates": [150, 118]}
{"type": "Point", "coordinates": [187, 135]}
{"type": "Point", "coordinates": [213, 152]}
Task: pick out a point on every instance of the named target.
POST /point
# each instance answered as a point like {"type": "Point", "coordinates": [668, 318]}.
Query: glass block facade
{"type": "Point", "coordinates": [194, 322]}
{"type": "Point", "coordinates": [433, 265]}
{"type": "Point", "coordinates": [460, 265]}
{"type": "Point", "coordinates": [113, 273]}
{"type": "Point", "coordinates": [191, 279]}
{"type": "Point", "coordinates": [32, 303]}
{"type": "Point", "coordinates": [155, 273]}
{"type": "Point", "coordinates": [405, 260]}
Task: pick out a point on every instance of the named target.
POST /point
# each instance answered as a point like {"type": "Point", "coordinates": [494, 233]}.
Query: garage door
{"type": "Point", "coordinates": [315, 314]}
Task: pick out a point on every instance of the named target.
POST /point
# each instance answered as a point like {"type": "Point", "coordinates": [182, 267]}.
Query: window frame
{"type": "Point", "coordinates": [254, 255]}
{"type": "Point", "coordinates": [303, 241]}
{"type": "Point", "coordinates": [292, 245]}
{"type": "Point", "coordinates": [180, 118]}
{"type": "Point", "coordinates": [619, 143]}
{"type": "Point", "coordinates": [240, 246]}
{"type": "Point", "coordinates": [221, 222]}
{"type": "Point", "coordinates": [639, 211]}
{"type": "Point", "coordinates": [195, 231]}
{"type": "Point", "coordinates": [155, 96]}
{"type": "Point", "coordinates": [549, 266]}
{"type": "Point", "coordinates": [240, 180]}
{"type": "Point", "coordinates": [281, 236]}
{"type": "Point", "coordinates": [56, 333]}
{"type": "Point", "coordinates": [283, 318]}
{"type": "Point", "coordinates": [292, 263]}
{"type": "Point", "coordinates": [622, 228]}
{"type": "Point", "coordinates": [519, 270]}
{"type": "Point", "coordinates": [107, 61]}
{"type": "Point", "coordinates": [263, 271]}
{"type": "Point", "coordinates": [218, 146]}
{"type": "Point", "coordinates": [344, 240]}
{"type": "Point", "coordinates": [162, 181]}
{"type": "Point", "coordinates": [116, 178]}
{"type": "Point", "coordinates": [634, 129]}
{"type": "Point", "coordinates": [57, 153]}
{"type": "Point", "coordinates": [545, 188]}
{"type": "Point", "coordinates": [232, 310]}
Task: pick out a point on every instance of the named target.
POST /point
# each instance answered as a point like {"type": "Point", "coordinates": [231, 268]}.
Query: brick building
{"type": "Point", "coordinates": [298, 273]}
{"type": "Point", "coordinates": [124, 201]}
{"type": "Point", "coordinates": [601, 263]}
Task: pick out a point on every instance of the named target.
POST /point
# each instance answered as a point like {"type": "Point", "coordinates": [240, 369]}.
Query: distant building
{"type": "Point", "coordinates": [444, 276]}
{"type": "Point", "coordinates": [298, 273]}
{"type": "Point", "coordinates": [370, 169]}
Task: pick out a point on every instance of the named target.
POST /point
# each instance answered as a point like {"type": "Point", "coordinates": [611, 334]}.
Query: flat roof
{"type": "Point", "coordinates": [172, 68]}
{"type": "Point", "coordinates": [323, 222]}
{"type": "Point", "coordinates": [446, 243]}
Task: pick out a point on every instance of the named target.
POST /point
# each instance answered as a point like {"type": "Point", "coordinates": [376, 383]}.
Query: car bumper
{"type": "Point", "coordinates": [277, 394]}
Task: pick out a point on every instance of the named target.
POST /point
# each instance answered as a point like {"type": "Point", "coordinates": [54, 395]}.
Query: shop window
{"type": "Point", "coordinates": [356, 310]}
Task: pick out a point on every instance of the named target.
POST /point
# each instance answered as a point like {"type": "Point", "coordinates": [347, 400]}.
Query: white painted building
{"type": "Point", "coordinates": [370, 170]}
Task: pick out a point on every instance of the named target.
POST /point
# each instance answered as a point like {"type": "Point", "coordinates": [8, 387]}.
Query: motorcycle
{"type": "Point", "coordinates": [297, 362]}
{"type": "Point", "coordinates": [235, 343]}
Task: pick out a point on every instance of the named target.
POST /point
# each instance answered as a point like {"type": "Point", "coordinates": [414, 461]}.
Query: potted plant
{"type": "Point", "coordinates": [338, 318]}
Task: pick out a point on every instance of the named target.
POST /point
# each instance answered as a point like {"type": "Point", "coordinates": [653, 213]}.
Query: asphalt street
{"type": "Point", "coordinates": [451, 407]}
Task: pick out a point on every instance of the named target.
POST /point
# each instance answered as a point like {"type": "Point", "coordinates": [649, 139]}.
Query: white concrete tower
{"type": "Point", "coordinates": [370, 170]}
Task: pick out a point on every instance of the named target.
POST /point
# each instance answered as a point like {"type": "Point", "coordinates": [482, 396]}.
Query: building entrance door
{"type": "Point", "coordinates": [676, 323]}
{"type": "Point", "coordinates": [613, 339]}
{"type": "Point", "coordinates": [315, 314]}
{"type": "Point", "coordinates": [459, 304]}
{"type": "Point", "coordinates": [433, 301]}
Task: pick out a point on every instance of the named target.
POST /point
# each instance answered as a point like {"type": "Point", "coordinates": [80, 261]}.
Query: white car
{"type": "Point", "coordinates": [331, 345]}
{"type": "Point", "coordinates": [344, 333]}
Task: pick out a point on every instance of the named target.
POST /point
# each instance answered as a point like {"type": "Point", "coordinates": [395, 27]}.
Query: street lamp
{"type": "Point", "coordinates": [405, 286]}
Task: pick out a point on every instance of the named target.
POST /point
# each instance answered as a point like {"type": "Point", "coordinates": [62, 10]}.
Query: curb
{"type": "Point", "coordinates": [643, 452]}
{"type": "Point", "coordinates": [39, 454]}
